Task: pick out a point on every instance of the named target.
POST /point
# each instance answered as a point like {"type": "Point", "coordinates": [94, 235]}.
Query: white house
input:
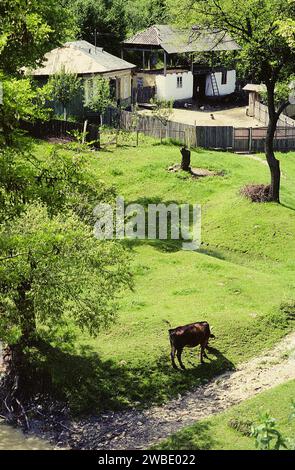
{"type": "Point", "coordinates": [226, 83]}
{"type": "Point", "coordinates": [173, 46]}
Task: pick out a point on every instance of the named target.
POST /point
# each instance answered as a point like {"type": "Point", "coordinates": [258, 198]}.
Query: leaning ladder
{"type": "Point", "coordinates": [214, 84]}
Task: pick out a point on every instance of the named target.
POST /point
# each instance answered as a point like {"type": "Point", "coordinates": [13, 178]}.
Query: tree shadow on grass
{"type": "Point", "coordinates": [288, 206]}
{"type": "Point", "coordinates": [197, 437]}
{"type": "Point", "coordinates": [212, 253]}
{"type": "Point", "coordinates": [90, 384]}
{"type": "Point", "coordinates": [168, 244]}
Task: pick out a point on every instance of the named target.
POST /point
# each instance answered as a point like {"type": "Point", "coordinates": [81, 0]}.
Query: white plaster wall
{"type": "Point", "coordinates": [125, 86]}
{"type": "Point", "coordinates": [226, 89]}
{"type": "Point", "coordinates": [166, 87]}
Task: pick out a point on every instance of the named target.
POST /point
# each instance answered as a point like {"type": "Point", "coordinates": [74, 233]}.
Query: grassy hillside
{"type": "Point", "coordinates": [237, 281]}
{"type": "Point", "coordinates": [230, 430]}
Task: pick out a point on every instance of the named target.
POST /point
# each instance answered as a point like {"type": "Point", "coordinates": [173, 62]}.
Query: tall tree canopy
{"type": "Point", "coordinates": [53, 271]}
{"type": "Point", "coordinates": [107, 17]}
{"type": "Point", "coordinates": [143, 13]}
{"type": "Point", "coordinates": [29, 29]}
{"type": "Point", "coordinates": [267, 54]}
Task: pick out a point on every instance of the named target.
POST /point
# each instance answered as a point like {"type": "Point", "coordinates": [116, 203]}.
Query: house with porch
{"type": "Point", "coordinates": [88, 61]}
{"type": "Point", "coordinates": [181, 75]}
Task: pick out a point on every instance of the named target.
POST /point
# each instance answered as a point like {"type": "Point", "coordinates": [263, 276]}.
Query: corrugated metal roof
{"type": "Point", "coordinates": [175, 40]}
{"type": "Point", "coordinates": [80, 57]}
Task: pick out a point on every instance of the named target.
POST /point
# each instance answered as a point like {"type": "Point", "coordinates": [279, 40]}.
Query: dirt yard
{"type": "Point", "coordinates": [226, 117]}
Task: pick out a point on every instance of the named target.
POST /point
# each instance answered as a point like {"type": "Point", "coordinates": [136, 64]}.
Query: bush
{"type": "Point", "coordinates": [257, 192]}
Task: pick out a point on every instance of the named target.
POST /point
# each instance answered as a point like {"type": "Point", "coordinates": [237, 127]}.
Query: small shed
{"type": "Point", "coordinates": [254, 96]}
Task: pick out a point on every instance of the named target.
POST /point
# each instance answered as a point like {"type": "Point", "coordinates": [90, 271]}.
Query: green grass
{"type": "Point", "coordinates": [230, 430]}
{"type": "Point", "coordinates": [237, 281]}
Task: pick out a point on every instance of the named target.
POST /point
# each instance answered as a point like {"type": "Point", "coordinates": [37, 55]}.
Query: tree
{"type": "Point", "coordinates": [98, 95]}
{"type": "Point", "coordinates": [267, 53]}
{"type": "Point", "coordinates": [52, 269]}
{"type": "Point", "coordinates": [22, 100]}
{"type": "Point", "coordinates": [64, 86]}
{"type": "Point", "coordinates": [30, 29]}
{"type": "Point", "coordinates": [143, 13]}
{"type": "Point", "coordinates": [105, 17]}
{"type": "Point", "coordinates": [157, 12]}
{"type": "Point", "coordinates": [162, 110]}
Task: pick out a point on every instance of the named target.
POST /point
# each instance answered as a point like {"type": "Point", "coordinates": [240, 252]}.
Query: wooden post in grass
{"type": "Point", "coordinates": [84, 131]}
{"type": "Point", "coordinates": [186, 159]}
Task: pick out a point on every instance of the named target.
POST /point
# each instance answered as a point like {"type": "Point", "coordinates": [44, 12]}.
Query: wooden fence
{"type": "Point", "coordinates": [59, 129]}
{"type": "Point", "coordinates": [261, 114]}
{"type": "Point", "coordinates": [214, 137]}
{"type": "Point", "coordinates": [149, 125]}
{"type": "Point", "coordinates": [242, 139]}
{"type": "Point", "coordinates": [253, 139]}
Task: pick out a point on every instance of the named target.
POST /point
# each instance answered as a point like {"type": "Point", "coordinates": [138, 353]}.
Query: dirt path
{"type": "Point", "coordinates": [140, 429]}
{"type": "Point", "coordinates": [254, 157]}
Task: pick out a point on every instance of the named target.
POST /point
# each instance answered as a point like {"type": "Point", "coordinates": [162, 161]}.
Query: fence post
{"type": "Point", "coordinates": [137, 132]}
{"type": "Point", "coordinates": [84, 131]}
{"type": "Point", "coordinates": [250, 139]}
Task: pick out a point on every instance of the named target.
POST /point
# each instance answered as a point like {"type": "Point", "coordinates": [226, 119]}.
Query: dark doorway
{"type": "Point", "coordinates": [199, 87]}
{"type": "Point", "coordinates": [113, 88]}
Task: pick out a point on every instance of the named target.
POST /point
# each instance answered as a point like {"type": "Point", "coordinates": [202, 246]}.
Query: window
{"type": "Point", "coordinates": [179, 82]}
{"type": "Point", "coordinates": [224, 77]}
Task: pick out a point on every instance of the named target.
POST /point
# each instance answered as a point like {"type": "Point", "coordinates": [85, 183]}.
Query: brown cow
{"type": "Point", "coordinates": [191, 336]}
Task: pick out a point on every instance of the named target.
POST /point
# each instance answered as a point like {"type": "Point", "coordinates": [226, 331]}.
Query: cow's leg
{"type": "Point", "coordinates": [172, 355]}
{"type": "Point", "coordinates": [204, 345]}
{"type": "Point", "coordinates": [179, 352]}
{"type": "Point", "coordinates": [202, 353]}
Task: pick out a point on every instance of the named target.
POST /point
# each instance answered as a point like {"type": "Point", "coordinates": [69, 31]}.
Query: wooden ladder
{"type": "Point", "coordinates": [214, 84]}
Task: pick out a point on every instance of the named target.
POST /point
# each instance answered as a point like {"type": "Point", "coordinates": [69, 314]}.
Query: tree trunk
{"type": "Point", "coordinates": [273, 163]}
{"type": "Point", "coordinates": [27, 315]}
{"type": "Point", "coordinates": [186, 159]}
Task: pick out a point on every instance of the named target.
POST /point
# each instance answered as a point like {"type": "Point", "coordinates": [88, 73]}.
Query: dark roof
{"type": "Point", "coordinates": [175, 40]}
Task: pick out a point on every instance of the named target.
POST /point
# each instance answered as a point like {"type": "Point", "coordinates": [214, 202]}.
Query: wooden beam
{"type": "Point", "coordinates": [165, 64]}
{"type": "Point", "coordinates": [143, 59]}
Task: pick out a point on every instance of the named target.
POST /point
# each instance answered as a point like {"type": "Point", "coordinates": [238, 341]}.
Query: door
{"type": "Point", "coordinates": [199, 87]}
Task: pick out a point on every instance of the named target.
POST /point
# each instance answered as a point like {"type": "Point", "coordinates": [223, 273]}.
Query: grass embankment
{"type": "Point", "coordinates": [237, 281]}
{"type": "Point", "coordinates": [230, 430]}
